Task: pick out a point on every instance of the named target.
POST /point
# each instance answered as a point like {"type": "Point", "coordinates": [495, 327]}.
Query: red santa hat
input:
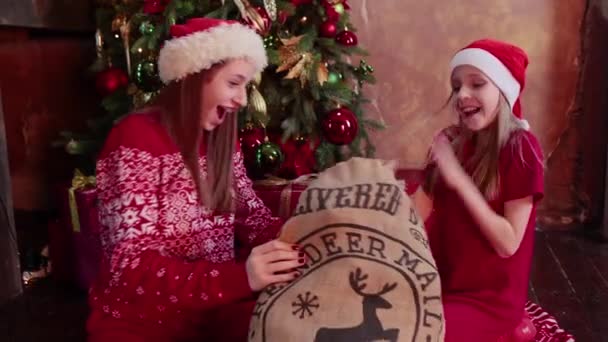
{"type": "Point", "coordinates": [202, 42]}
{"type": "Point", "coordinates": [501, 62]}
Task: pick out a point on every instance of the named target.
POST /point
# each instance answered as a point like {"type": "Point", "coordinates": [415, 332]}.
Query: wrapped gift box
{"type": "Point", "coordinates": [87, 243]}
{"type": "Point", "coordinates": [413, 178]}
{"type": "Point", "coordinates": [280, 198]}
{"type": "Point", "coordinates": [74, 243]}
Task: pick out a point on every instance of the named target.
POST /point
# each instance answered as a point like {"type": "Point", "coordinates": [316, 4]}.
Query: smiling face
{"type": "Point", "coordinates": [225, 91]}
{"type": "Point", "coordinates": [476, 98]}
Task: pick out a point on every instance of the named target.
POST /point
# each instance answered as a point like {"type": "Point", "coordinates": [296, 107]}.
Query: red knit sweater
{"type": "Point", "coordinates": [168, 262]}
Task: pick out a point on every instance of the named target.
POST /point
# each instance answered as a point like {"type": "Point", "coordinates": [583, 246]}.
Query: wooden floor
{"type": "Point", "coordinates": [569, 279]}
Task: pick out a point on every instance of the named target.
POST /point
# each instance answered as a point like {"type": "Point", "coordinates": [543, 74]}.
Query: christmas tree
{"type": "Point", "coordinates": [305, 111]}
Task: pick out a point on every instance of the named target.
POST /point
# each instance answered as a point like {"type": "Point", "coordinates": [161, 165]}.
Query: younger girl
{"type": "Point", "coordinates": [175, 199]}
{"type": "Point", "coordinates": [480, 197]}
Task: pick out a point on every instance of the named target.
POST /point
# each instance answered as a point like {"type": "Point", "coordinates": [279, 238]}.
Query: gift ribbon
{"type": "Point", "coordinates": [285, 197]}
{"type": "Point", "coordinates": [80, 181]}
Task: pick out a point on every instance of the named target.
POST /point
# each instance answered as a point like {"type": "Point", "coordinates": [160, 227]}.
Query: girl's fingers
{"type": "Point", "coordinates": [279, 255]}
{"type": "Point", "coordinates": [273, 246]}
{"type": "Point", "coordinates": [284, 277]}
{"type": "Point", "coordinates": [283, 266]}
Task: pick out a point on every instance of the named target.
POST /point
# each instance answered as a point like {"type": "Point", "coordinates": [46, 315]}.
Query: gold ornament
{"type": "Point", "coordinates": [288, 53]}
{"type": "Point", "coordinates": [141, 98]}
{"type": "Point", "coordinates": [293, 60]}
{"type": "Point", "coordinates": [250, 14]}
{"type": "Point", "coordinates": [99, 49]}
{"type": "Point", "coordinates": [98, 44]}
{"type": "Point", "coordinates": [119, 21]}
{"type": "Point", "coordinates": [271, 9]}
{"type": "Point", "coordinates": [298, 71]}
{"type": "Point", "coordinates": [123, 25]}
{"type": "Point", "coordinates": [257, 106]}
{"type": "Point", "coordinates": [125, 32]}
{"type": "Point", "coordinates": [322, 73]}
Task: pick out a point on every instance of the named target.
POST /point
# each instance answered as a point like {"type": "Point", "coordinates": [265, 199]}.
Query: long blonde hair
{"type": "Point", "coordinates": [180, 104]}
{"type": "Point", "coordinates": [487, 144]}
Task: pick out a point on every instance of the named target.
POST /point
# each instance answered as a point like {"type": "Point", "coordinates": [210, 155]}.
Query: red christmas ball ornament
{"type": "Point", "coordinates": [347, 38]}
{"type": "Point", "coordinates": [340, 126]}
{"type": "Point", "coordinates": [330, 12]}
{"type": "Point", "coordinates": [155, 6]}
{"type": "Point", "coordinates": [110, 80]}
{"type": "Point", "coordinates": [328, 29]}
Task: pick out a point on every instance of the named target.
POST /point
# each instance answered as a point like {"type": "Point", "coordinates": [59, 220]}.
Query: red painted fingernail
{"type": "Point", "coordinates": [301, 254]}
{"type": "Point", "coordinates": [301, 260]}
{"type": "Point", "coordinates": [295, 247]}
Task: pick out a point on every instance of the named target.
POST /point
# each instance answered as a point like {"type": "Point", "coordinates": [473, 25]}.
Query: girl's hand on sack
{"type": "Point", "coordinates": [444, 157]}
{"type": "Point", "coordinates": [273, 262]}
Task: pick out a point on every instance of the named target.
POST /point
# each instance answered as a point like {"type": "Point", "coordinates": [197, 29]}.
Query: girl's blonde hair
{"type": "Point", "coordinates": [487, 144]}
{"type": "Point", "coordinates": [180, 104]}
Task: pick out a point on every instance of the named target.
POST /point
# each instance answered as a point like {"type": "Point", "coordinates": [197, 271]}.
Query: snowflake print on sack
{"type": "Point", "coordinates": [305, 305]}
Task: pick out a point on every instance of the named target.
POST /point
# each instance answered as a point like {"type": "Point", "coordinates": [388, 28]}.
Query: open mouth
{"type": "Point", "coordinates": [469, 111]}
{"type": "Point", "coordinates": [222, 112]}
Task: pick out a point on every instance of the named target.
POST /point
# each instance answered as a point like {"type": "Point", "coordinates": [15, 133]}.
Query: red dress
{"type": "Point", "coordinates": [169, 271]}
{"type": "Point", "coordinates": [484, 294]}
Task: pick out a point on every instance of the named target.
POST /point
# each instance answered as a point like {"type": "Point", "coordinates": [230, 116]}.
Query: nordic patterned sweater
{"type": "Point", "coordinates": [167, 260]}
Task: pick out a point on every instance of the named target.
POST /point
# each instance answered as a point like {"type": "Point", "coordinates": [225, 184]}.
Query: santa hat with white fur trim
{"type": "Point", "coordinates": [200, 43]}
{"type": "Point", "coordinates": [501, 62]}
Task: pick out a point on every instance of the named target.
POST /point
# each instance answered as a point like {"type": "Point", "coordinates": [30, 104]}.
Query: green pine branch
{"type": "Point", "coordinates": [293, 109]}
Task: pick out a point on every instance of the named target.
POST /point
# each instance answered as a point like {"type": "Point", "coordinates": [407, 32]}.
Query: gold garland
{"type": "Point", "coordinates": [271, 8]}
{"type": "Point", "coordinates": [250, 14]}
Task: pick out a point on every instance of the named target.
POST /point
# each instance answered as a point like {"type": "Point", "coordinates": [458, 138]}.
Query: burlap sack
{"type": "Point", "coordinates": [369, 276]}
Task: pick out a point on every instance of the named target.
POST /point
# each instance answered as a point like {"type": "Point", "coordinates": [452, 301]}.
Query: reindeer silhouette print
{"type": "Point", "coordinates": [371, 328]}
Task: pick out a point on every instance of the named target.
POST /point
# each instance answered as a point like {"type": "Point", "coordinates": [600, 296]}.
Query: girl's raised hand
{"type": "Point", "coordinates": [443, 156]}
